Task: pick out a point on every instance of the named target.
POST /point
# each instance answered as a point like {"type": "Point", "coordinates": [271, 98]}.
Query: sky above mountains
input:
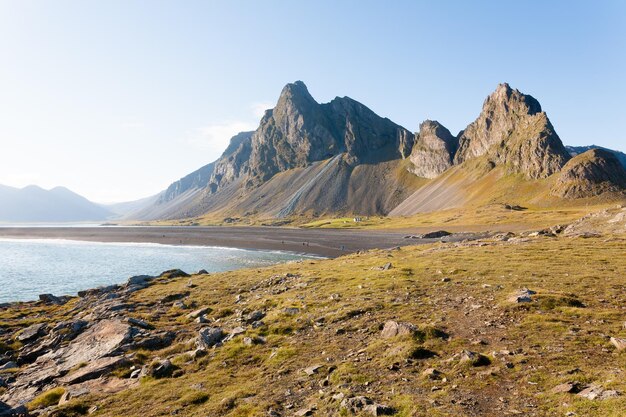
{"type": "Point", "coordinates": [117, 99]}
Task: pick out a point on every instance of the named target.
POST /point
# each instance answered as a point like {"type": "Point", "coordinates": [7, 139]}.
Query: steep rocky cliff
{"type": "Point", "coordinates": [434, 150]}
{"type": "Point", "coordinates": [300, 131]}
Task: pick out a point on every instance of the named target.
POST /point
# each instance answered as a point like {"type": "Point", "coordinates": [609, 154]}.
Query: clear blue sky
{"type": "Point", "coordinates": [116, 99]}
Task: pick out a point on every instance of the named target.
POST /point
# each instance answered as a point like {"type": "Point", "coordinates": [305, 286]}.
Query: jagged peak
{"type": "Point", "coordinates": [431, 125]}
{"type": "Point", "coordinates": [512, 100]}
{"type": "Point", "coordinates": [504, 87]}
{"type": "Point", "coordinates": [295, 91]}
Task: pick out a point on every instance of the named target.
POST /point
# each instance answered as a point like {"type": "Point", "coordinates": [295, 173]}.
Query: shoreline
{"type": "Point", "coordinates": [329, 243]}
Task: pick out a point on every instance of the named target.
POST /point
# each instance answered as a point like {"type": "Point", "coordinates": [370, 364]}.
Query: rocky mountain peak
{"type": "Point", "coordinates": [513, 131]}
{"type": "Point", "coordinates": [299, 131]}
{"type": "Point", "coordinates": [294, 98]}
{"type": "Point", "coordinates": [511, 101]}
{"type": "Point", "coordinates": [591, 173]}
{"type": "Point", "coordinates": [434, 150]}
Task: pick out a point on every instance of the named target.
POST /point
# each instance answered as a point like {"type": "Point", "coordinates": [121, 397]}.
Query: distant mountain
{"type": "Point", "coordinates": [340, 158]}
{"type": "Point", "coordinates": [34, 204]}
{"type": "Point", "coordinates": [128, 209]}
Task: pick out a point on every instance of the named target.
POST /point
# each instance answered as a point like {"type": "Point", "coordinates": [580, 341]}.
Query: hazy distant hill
{"type": "Point", "coordinates": [34, 204]}
{"type": "Point", "coordinates": [129, 208]}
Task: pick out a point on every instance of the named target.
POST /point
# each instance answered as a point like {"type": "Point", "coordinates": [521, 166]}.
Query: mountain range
{"type": "Point", "coordinates": [34, 204]}
{"type": "Point", "coordinates": [308, 159]}
{"type": "Point", "coordinates": [311, 159]}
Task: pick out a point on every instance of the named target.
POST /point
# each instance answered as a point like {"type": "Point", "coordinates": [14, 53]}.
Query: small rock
{"type": "Point", "coordinates": [161, 369]}
{"type": "Point", "coordinates": [357, 404]}
{"type": "Point", "coordinates": [209, 337]}
{"type": "Point", "coordinates": [568, 387]}
{"type": "Point", "coordinates": [174, 273]}
{"type": "Point", "coordinates": [445, 279]}
{"type": "Point", "coordinates": [254, 316]}
{"type": "Point", "coordinates": [393, 329]}
{"type": "Point", "coordinates": [620, 344]}
{"type": "Point", "coordinates": [432, 373]}
{"type": "Point", "coordinates": [522, 296]}
{"type": "Point", "coordinates": [139, 323]}
{"type": "Point", "coordinates": [199, 312]}
{"type": "Point", "coordinates": [235, 332]}
{"type": "Point", "coordinates": [311, 370]}
{"type": "Point", "coordinates": [338, 397]}
{"type": "Point", "coordinates": [197, 353]}
{"type": "Point", "coordinates": [596, 392]}
{"type": "Point", "coordinates": [141, 280]}
{"type": "Point", "coordinates": [51, 299]}
{"type": "Point", "coordinates": [202, 319]}
{"type": "Point", "coordinates": [304, 412]}
{"type": "Point", "coordinates": [434, 235]}
{"type": "Point", "coordinates": [72, 393]}
{"type": "Point", "coordinates": [473, 358]}
{"type": "Point", "coordinates": [291, 311]}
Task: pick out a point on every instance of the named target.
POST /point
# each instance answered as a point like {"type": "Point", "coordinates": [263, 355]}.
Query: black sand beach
{"type": "Point", "coordinates": [323, 242]}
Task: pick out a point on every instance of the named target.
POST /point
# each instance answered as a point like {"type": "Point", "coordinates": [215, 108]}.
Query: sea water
{"type": "Point", "coordinates": [29, 267]}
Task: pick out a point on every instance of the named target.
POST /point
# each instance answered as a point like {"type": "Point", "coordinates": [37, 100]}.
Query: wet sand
{"type": "Point", "coordinates": [323, 242]}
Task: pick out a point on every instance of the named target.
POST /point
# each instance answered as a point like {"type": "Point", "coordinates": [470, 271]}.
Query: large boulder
{"type": "Point", "coordinates": [393, 329]}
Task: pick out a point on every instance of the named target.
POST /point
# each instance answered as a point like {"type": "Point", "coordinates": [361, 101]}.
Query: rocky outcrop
{"type": "Point", "coordinates": [513, 131]}
{"type": "Point", "coordinates": [434, 149]}
{"type": "Point", "coordinates": [589, 174]}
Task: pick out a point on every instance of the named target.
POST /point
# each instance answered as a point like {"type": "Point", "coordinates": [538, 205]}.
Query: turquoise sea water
{"type": "Point", "coordinates": [29, 267]}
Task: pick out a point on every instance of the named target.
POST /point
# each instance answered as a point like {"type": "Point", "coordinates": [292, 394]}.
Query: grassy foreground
{"type": "Point", "coordinates": [329, 314]}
